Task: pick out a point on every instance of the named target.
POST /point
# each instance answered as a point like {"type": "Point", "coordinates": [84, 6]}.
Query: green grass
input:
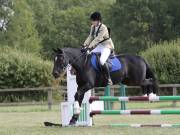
{"type": "Point", "coordinates": [28, 120]}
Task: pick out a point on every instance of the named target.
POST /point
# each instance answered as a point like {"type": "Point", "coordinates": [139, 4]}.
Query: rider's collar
{"type": "Point", "coordinates": [99, 23]}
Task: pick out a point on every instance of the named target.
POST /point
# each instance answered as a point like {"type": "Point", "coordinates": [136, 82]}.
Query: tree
{"type": "Point", "coordinates": [64, 23]}
{"type": "Point", "coordinates": [130, 22]}
{"type": "Point", "coordinates": [44, 11]}
{"type": "Point", "coordinates": [72, 27]}
{"type": "Point", "coordinates": [21, 32]}
{"type": "Point", "coordinates": [5, 12]}
{"type": "Point", "coordinates": [137, 24]}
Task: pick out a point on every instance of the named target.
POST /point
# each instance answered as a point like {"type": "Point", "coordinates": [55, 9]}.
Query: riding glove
{"type": "Point", "coordinates": [84, 49]}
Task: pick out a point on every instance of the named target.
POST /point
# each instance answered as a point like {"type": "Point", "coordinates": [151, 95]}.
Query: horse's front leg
{"type": "Point", "coordinates": [78, 101]}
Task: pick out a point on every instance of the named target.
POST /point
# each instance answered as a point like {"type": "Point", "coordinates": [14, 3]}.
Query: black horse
{"type": "Point", "coordinates": [134, 71]}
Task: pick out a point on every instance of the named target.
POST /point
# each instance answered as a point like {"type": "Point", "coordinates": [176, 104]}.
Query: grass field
{"type": "Point", "coordinates": [28, 120]}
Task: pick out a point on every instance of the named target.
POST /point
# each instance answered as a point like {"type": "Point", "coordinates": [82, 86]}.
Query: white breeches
{"type": "Point", "coordinates": [105, 52]}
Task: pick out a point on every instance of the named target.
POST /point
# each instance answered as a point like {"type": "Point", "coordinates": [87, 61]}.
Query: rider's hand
{"type": "Point", "coordinates": [84, 49]}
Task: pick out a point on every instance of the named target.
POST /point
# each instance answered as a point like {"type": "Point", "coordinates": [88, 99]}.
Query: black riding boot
{"type": "Point", "coordinates": [107, 74]}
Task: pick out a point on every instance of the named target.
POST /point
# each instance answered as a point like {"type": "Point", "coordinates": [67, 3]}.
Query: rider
{"type": "Point", "coordinates": [99, 39]}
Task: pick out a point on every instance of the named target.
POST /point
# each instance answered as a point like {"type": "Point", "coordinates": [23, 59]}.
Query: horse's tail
{"type": "Point", "coordinates": [150, 75]}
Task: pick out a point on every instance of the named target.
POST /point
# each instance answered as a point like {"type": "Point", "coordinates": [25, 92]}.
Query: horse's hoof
{"type": "Point", "coordinates": [110, 82]}
{"type": "Point", "coordinates": [152, 95]}
{"type": "Point", "coordinates": [72, 122]}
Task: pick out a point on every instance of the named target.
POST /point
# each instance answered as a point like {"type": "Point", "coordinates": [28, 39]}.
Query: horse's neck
{"type": "Point", "coordinates": [75, 63]}
{"type": "Point", "coordinates": [75, 59]}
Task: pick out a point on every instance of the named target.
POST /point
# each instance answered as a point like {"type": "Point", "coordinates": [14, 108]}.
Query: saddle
{"type": "Point", "coordinates": [113, 62]}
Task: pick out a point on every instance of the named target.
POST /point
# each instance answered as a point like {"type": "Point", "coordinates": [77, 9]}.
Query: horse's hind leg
{"type": "Point", "coordinates": [148, 90]}
{"type": "Point", "coordinates": [147, 87]}
{"type": "Point", "coordinates": [145, 90]}
{"type": "Point", "coordinates": [155, 87]}
{"type": "Point", "coordinates": [152, 86]}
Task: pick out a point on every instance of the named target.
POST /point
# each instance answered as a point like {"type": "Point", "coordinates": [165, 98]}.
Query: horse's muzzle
{"type": "Point", "coordinates": [56, 75]}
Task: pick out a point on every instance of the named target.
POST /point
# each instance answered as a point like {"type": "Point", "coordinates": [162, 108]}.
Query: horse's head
{"type": "Point", "coordinates": [60, 63]}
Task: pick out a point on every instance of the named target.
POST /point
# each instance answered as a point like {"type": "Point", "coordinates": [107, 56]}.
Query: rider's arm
{"type": "Point", "coordinates": [102, 32]}
{"type": "Point", "coordinates": [89, 38]}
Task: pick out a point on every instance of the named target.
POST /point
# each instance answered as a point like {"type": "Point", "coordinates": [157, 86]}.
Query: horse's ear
{"type": "Point", "coordinates": [55, 50]}
{"type": "Point", "coordinates": [60, 51]}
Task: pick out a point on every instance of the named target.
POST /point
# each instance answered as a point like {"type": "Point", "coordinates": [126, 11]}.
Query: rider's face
{"type": "Point", "coordinates": [94, 23]}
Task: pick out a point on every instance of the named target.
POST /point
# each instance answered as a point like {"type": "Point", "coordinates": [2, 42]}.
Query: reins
{"type": "Point", "coordinates": [70, 63]}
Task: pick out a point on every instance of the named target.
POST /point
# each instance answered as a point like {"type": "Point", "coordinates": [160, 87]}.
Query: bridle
{"type": "Point", "coordinates": [74, 60]}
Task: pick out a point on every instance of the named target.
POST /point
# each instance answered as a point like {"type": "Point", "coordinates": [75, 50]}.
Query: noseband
{"type": "Point", "coordinates": [73, 61]}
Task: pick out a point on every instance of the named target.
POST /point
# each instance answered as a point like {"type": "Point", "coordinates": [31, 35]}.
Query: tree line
{"type": "Point", "coordinates": [37, 26]}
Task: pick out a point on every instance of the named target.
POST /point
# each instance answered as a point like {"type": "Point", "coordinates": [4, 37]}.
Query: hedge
{"type": "Point", "coordinates": [18, 69]}
{"type": "Point", "coordinates": [164, 58]}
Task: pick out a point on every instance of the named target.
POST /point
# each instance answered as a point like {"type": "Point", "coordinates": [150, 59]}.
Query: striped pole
{"type": "Point", "coordinates": [143, 125]}
{"type": "Point", "coordinates": [135, 112]}
{"type": "Point", "coordinates": [134, 98]}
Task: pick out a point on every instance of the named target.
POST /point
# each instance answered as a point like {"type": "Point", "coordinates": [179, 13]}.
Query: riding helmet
{"type": "Point", "coordinates": [96, 16]}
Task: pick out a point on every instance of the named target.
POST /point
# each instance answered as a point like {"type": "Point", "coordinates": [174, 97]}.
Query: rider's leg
{"type": "Point", "coordinates": [98, 48]}
{"type": "Point", "coordinates": [105, 52]}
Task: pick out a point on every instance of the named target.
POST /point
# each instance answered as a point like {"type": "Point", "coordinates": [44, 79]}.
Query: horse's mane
{"type": "Point", "coordinates": [67, 47]}
{"type": "Point", "coordinates": [72, 51]}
